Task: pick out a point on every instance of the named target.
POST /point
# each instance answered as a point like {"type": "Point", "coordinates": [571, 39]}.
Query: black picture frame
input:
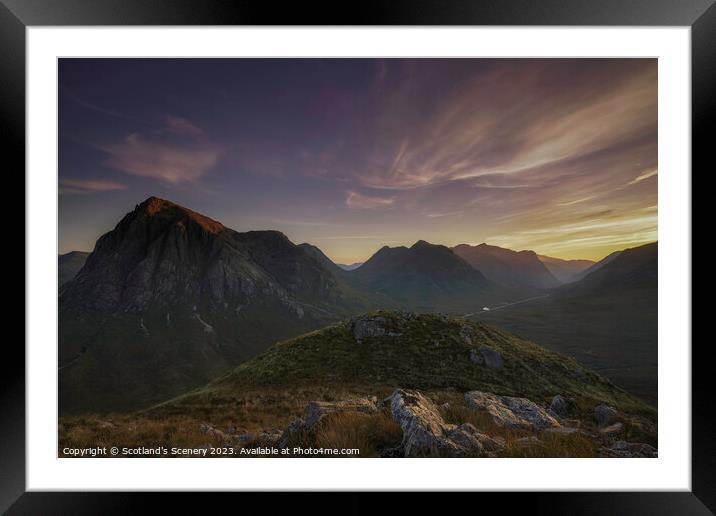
{"type": "Point", "coordinates": [16, 15]}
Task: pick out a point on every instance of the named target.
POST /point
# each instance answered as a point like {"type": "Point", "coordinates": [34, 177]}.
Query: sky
{"type": "Point", "coordinates": [554, 155]}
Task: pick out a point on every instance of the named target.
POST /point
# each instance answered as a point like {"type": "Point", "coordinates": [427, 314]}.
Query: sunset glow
{"type": "Point", "coordinates": [554, 155]}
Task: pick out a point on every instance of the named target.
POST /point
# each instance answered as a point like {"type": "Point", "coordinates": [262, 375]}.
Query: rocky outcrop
{"type": "Point", "coordinates": [486, 355]}
{"type": "Point", "coordinates": [293, 431]}
{"type": "Point", "coordinates": [425, 433]}
{"type": "Point", "coordinates": [317, 410]}
{"type": "Point", "coordinates": [559, 407]}
{"type": "Point", "coordinates": [368, 327]}
{"type": "Point", "coordinates": [492, 358]}
{"type": "Point", "coordinates": [605, 415]}
{"type": "Point", "coordinates": [476, 357]}
{"type": "Point", "coordinates": [511, 412]}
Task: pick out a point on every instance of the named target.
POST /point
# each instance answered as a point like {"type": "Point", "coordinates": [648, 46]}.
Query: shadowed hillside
{"type": "Point", "coordinates": [607, 320]}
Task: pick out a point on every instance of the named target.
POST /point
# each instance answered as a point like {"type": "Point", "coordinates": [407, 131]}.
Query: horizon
{"type": "Point", "coordinates": [405, 245]}
{"type": "Point", "coordinates": [557, 156]}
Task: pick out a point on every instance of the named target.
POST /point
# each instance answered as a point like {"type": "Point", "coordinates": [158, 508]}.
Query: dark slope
{"type": "Point", "coordinates": [565, 271]}
{"type": "Point", "coordinates": [324, 260]}
{"type": "Point", "coordinates": [69, 264]}
{"type": "Point", "coordinates": [170, 298]}
{"type": "Point", "coordinates": [607, 320]}
{"type": "Point", "coordinates": [519, 269]}
{"type": "Point", "coordinates": [595, 267]}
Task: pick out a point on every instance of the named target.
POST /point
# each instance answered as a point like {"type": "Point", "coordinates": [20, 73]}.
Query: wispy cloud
{"type": "Point", "coordinates": [88, 186]}
{"type": "Point", "coordinates": [646, 174]}
{"type": "Point", "coordinates": [358, 201]}
{"type": "Point", "coordinates": [180, 154]}
{"type": "Point", "coordinates": [182, 126]}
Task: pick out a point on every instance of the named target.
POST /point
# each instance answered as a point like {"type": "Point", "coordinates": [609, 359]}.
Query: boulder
{"type": "Point", "coordinates": [604, 414]}
{"type": "Point", "coordinates": [559, 407]}
{"type": "Point", "coordinates": [476, 357]}
{"type": "Point", "coordinates": [492, 358]}
{"type": "Point", "coordinates": [293, 431]}
{"type": "Point", "coordinates": [425, 432]}
{"type": "Point", "coordinates": [317, 410]}
{"type": "Point", "coordinates": [368, 327]}
{"type": "Point", "coordinates": [511, 412]}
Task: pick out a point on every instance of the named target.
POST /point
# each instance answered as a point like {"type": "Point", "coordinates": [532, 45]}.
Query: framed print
{"type": "Point", "coordinates": [444, 248]}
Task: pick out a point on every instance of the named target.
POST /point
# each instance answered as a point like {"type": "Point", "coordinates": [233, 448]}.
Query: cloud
{"type": "Point", "coordinates": [182, 126]}
{"type": "Point", "coordinates": [357, 201]}
{"type": "Point", "coordinates": [87, 186]}
{"type": "Point", "coordinates": [179, 154]}
{"type": "Point", "coordinates": [644, 175]}
{"type": "Point", "coordinates": [513, 119]}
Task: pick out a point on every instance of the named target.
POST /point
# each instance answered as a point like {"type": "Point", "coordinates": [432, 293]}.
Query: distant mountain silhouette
{"type": "Point", "coordinates": [428, 277]}
{"type": "Point", "coordinates": [595, 267]}
{"type": "Point", "coordinates": [565, 271]}
{"type": "Point", "coordinates": [69, 264]}
{"type": "Point", "coordinates": [518, 269]}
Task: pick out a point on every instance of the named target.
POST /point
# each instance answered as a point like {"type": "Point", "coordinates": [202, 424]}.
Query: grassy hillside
{"type": "Point", "coordinates": [427, 352]}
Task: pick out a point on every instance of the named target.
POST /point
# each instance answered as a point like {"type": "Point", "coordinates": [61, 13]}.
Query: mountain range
{"type": "Point", "coordinates": [69, 264]}
{"type": "Point", "coordinates": [507, 267]}
{"type": "Point", "coordinates": [170, 298]}
{"type": "Point", "coordinates": [565, 271]}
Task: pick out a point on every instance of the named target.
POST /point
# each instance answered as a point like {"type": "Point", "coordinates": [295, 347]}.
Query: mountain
{"type": "Point", "coordinates": [607, 320]}
{"type": "Point", "coordinates": [511, 268]}
{"type": "Point", "coordinates": [630, 269]}
{"type": "Point", "coordinates": [380, 351]}
{"type": "Point", "coordinates": [427, 277]}
{"type": "Point", "coordinates": [170, 298]}
{"type": "Point", "coordinates": [350, 266]}
{"type": "Point", "coordinates": [324, 260]}
{"type": "Point", "coordinates": [565, 270]}
{"type": "Point", "coordinates": [69, 264]}
{"type": "Point", "coordinates": [595, 267]}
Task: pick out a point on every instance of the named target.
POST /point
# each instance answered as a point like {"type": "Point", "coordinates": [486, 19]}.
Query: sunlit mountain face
{"type": "Point", "coordinates": [557, 156]}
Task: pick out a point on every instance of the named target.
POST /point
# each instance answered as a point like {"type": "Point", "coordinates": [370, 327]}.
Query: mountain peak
{"type": "Point", "coordinates": [421, 243]}
{"type": "Point", "coordinates": [158, 207]}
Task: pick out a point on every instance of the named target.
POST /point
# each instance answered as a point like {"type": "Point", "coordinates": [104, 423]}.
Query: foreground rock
{"type": "Point", "coordinates": [317, 410]}
{"type": "Point", "coordinates": [425, 433]}
{"type": "Point", "coordinates": [605, 415]}
{"type": "Point", "coordinates": [372, 326]}
{"type": "Point", "coordinates": [511, 412]}
{"type": "Point", "coordinates": [559, 407]}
